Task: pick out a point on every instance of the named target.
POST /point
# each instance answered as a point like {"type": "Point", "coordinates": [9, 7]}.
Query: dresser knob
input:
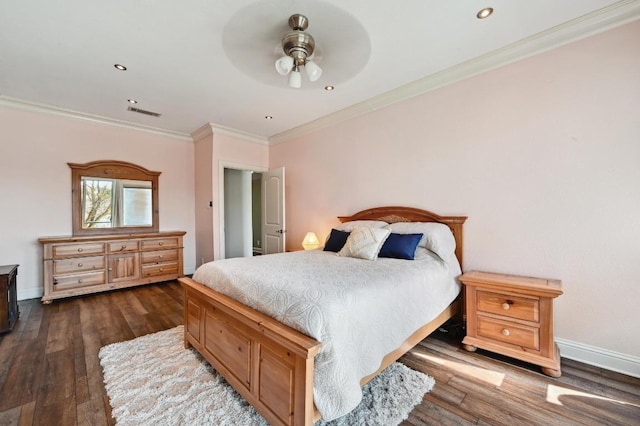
{"type": "Point", "coordinates": [124, 247]}
{"type": "Point", "coordinates": [79, 265]}
{"type": "Point", "coordinates": [79, 281]}
{"type": "Point", "coordinates": [160, 243]}
{"type": "Point", "coordinates": [505, 332]}
{"type": "Point", "coordinates": [161, 269]}
{"type": "Point", "coordinates": [80, 250]}
{"type": "Point", "coordinates": [505, 306]}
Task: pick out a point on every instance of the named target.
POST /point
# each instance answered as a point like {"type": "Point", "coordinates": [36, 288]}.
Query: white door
{"type": "Point", "coordinates": [273, 221]}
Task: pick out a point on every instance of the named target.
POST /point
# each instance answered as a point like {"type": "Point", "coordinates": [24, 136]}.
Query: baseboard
{"type": "Point", "coordinates": [614, 361]}
{"type": "Point", "coordinates": [30, 293]}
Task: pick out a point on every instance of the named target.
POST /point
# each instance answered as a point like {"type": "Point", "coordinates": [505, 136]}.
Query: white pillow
{"type": "Point", "coordinates": [437, 237]}
{"type": "Point", "coordinates": [364, 243]}
{"type": "Point", "coordinates": [350, 226]}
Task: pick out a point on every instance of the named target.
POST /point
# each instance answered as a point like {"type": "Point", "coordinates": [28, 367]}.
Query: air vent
{"type": "Point", "coordinates": [145, 112]}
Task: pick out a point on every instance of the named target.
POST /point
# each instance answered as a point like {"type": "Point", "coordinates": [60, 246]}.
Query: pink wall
{"type": "Point", "coordinates": [35, 182]}
{"type": "Point", "coordinates": [543, 156]}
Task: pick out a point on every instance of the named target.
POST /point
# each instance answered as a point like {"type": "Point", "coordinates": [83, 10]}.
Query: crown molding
{"type": "Point", "coordinates": [16, 103]}
{"type": "Point", "coordinates": [210, 129]}
{"type": "Point", "coordinates": [202, 132]}
{"type": "Point", "coordinates": [612, 16]}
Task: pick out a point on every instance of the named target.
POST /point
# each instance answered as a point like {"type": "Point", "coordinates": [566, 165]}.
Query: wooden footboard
{"type": "Point", "coordinates": [268, 363]}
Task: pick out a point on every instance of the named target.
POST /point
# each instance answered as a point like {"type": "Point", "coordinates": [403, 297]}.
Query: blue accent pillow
{"type": "Point", "coordinates": [400, 246]}
{"type": "Point", "coordinates": [336, 240]}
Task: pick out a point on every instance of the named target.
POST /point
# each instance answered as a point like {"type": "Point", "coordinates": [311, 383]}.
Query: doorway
{"type": "Point", "coordinates": [252, 213]}
{"type": "Point", "coordinates": [242, 213]}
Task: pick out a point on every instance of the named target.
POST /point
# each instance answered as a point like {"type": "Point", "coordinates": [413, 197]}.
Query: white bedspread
{"type": "Point", "coordinates": [360, 310]}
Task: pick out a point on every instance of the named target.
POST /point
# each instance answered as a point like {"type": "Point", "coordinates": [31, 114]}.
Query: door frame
{"type": "Point", "coordinates": [236, 166]}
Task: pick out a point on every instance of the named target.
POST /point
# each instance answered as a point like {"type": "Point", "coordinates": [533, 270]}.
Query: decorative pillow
{"type": "Point", "coordinates": [350, 226]}
{"type": "Point", "coordinates": [437, 237]}
{"type": "Point", "coordinates": [400, 246]}
{"type": "Point", "coordinates": [336, 240]}
{"type": "Point", "coordinates": [364, 243]}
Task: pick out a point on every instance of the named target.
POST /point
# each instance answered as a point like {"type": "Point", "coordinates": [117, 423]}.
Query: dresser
{"type": "Point", "coordinates": [76, 265]}
{"type": "Point", "coordinates": [512, 315]}
{"type": "Point", "coordinates": [9, 312]}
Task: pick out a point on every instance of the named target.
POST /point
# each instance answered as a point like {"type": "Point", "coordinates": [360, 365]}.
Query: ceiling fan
{"type": "Point", "coordinates": [298, 47]}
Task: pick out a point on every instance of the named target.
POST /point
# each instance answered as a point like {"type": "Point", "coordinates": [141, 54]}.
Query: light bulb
{"type": "Point", "coordinates": [284, 65]}
{"type": "Point", "coordinates": [313, 70]}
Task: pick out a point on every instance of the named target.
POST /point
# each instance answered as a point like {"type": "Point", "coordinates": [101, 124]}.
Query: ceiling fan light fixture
{"type": "Point", "coordinates": [284, 65]}
{"type": "Point", "coordinates": [313, 71]}
{"type": "Point", "coordinates": [298, 48]}
{"type": "Point", "coordinates": [295, 79]}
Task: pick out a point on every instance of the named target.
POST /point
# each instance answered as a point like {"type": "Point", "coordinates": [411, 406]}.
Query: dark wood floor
{"type": "Point", "coordinates": [50, 373]}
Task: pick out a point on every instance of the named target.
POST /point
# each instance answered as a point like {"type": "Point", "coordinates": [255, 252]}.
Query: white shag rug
{"type": "Point", "coordinates": [154, 380]}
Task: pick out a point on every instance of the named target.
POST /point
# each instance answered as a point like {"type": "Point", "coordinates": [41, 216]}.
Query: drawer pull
{"type": "Point", "coordinates": [80, 250]}
{"type": "Point", "coordinates": [160, 243]}
{"type": "Point", "coordinates": [161, 269]}
{"type": "Point", "coordinates": [123, 247]}
{"type": "Point", "coordinates": [507, 304]}
{"type": "Point", "coordinates": [79, 281]}
{"type": "Point", "coordinates": [505, 332]}
{"type": "Point", "coordinates": [79, 265]}
{"type": "Point", "coordinates": [161, 256]}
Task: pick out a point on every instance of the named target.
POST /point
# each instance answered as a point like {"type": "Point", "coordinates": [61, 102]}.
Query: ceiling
{"type": "Point", "coordinates": [206, 61]}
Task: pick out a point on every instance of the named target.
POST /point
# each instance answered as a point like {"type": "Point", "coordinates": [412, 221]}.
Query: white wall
{"type": "Point", "coordinates": [542, 155]}
{"type": "Point", "coordinates": [238, 229]}
{"type": "Point", "coordinates": [35, 182]}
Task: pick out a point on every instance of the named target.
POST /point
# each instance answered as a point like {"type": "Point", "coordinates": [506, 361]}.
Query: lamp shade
{"type": "Point", "coordinates": [313, 70]}
{"type": "Point", "coordinates": [310, 241]}
{"type": "Point", "coordinates": [284, 65]}
{"type": "Point", "coordinates": [295, 79]}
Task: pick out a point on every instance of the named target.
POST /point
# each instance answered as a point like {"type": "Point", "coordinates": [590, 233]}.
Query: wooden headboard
{"type": "Point", "coordinates": [395, 214]}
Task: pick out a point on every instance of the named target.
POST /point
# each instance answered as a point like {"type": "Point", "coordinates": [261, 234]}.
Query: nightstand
{"type": "Point", "coordinates": [9, 312]}
{"type": "Point", "coordinates": [513, 316]}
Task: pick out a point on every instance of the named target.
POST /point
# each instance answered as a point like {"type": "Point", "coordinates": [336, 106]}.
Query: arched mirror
{"type": "Point", "coordinates": [113, 197]}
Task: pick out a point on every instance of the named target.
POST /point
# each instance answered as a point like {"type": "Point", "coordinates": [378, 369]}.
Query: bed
{"type": "Point", "coordinates": [272, 360]}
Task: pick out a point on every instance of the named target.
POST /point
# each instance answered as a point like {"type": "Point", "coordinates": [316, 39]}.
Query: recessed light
{"type": "Point", "coordinates": [268, 117]}
{"type": "Point", "coordinates": [329, 88]}
{"type": "Point", "coordinates": [120, 67]}
{"type": "Point", "coordinates": [132, 101]}
{"type": "Point", "coordinates": [484, 13]}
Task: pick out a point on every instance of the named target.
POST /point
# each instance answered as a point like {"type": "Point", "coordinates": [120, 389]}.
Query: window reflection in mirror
{"type": "Point", "coordinates": [115, 203]}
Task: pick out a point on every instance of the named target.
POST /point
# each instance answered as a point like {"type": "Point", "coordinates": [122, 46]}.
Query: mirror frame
{"type": "Point", "coordinates": [110, 169]}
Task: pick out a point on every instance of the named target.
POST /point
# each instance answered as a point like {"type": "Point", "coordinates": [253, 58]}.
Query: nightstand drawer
{"type": "Point", "coordinates": [504, 331]}
{"type": "Point", "coordinates": [509, 306]}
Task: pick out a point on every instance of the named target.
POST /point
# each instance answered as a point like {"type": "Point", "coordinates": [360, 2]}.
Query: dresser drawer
{"type": "Point", "coordinates": [66, 250]}
{"type": "Point", "coordinates": [504, 331]}
{"type": "Point", "coordinates": [160, 269]}
{"type": "Point", "coordinates": [122, 246]}
{"type": "Point", "coordinates": [79, 264]}
{"type": "Point", "coordinates": [160, 256]}
{"type": "Point", "coordinates": [160, 243]}
{"type": "Point", "coordinates": [509, 306]}
{"type": "Point", "coordinates": [67, 282]}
